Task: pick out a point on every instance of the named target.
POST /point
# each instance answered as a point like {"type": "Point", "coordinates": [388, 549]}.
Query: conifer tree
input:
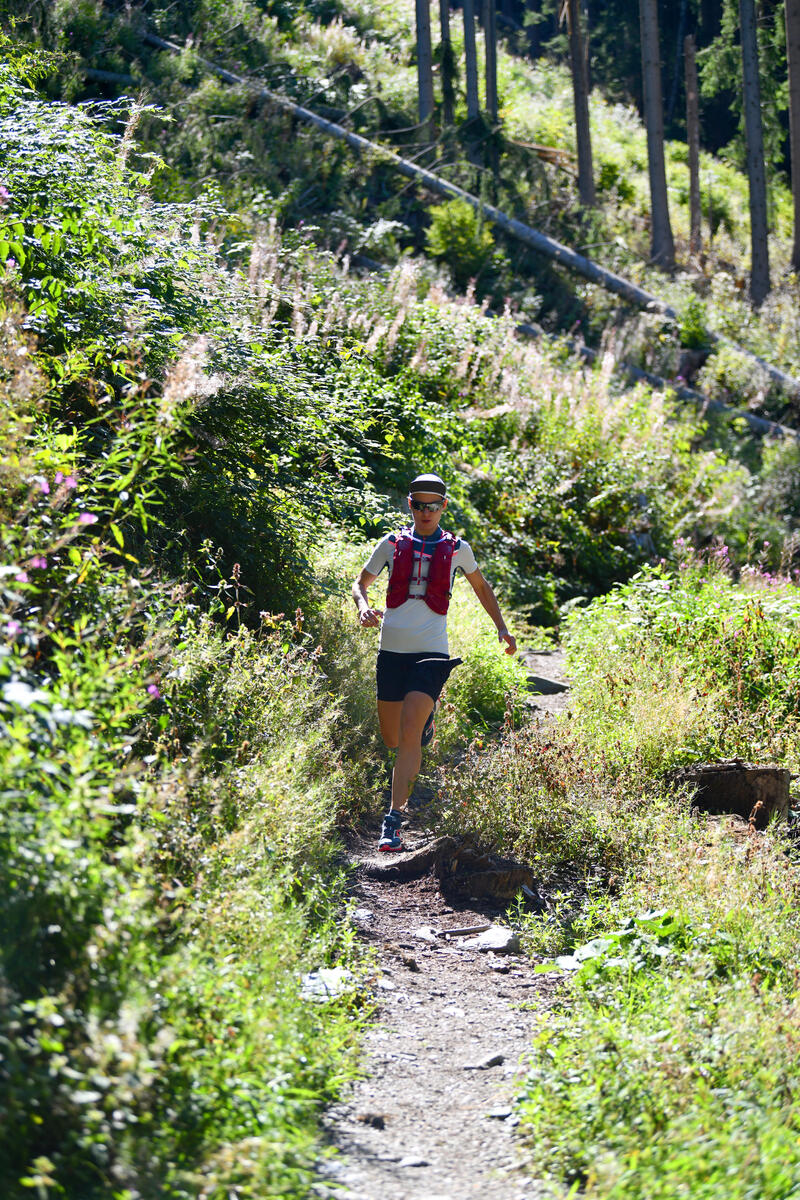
{"type": "Point", "coordinates": [580, 90]}
{"type": "Point", "coordinates": [424, 66]}
{"type": "Point", "coordinates": [756, 173]}
{"type": "Point", "coordinates": [447, 64]}
{"type": "Point", "coordinates": [662, 246]}
{"type": "Point", "coordinates": [793, 63]}
{"type": "Point", "coordinates": [471, 59]}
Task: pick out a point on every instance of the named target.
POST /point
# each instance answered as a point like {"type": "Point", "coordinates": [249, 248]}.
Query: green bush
{"type": "Point", "coordinates": [460, 237]}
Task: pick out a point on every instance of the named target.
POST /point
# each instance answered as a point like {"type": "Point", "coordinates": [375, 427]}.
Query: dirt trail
{"type": "Point", "coordinates": [431, 1118]}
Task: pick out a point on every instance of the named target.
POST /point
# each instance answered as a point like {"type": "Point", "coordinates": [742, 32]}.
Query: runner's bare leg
{"type": "Point", "coordinates": [416, 708]}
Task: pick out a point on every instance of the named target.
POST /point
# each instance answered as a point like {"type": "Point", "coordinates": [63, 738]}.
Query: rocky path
{"type": "Point", "coordinates": [431, 1118]}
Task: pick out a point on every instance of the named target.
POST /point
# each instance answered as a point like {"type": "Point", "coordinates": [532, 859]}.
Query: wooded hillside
{"type": "Point", "coordinates": [225, 343]}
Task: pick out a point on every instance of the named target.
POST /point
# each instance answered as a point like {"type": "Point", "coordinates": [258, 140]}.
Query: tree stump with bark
{"type": "Point", "coordinates": [735, 786]}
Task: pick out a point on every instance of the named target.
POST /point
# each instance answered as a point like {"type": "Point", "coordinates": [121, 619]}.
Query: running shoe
{"type": "Point", "coordinates": [390, 834]}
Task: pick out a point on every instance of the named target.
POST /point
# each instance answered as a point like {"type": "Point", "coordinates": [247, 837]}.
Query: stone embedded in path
{"type": "Point", "coordinates": [412, 1162]}
{"type": "Point", "coordinates": [736, 786]}
{"type": "Point", "coordinates": [497, 938]}
{"type": "Point", "coordinates": [491, 1060]}
{"type": "Point", "coordinates": [425, 933]}
{"type": "Point", "coordinates": [376, 1120]}
{"type": "Point", "coordinates": [546, 687]}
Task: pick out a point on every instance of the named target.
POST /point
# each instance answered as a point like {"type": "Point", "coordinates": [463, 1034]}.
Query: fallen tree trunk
{"type": "Point", "coordinates": [537, 241]}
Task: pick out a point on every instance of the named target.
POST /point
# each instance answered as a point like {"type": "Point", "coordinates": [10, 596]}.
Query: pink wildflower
{"type": "Point", "coordinates": [22, 577]}
{"type": "Point", "coordinates": [153, 691]}
{"type": "Point", "coordinates": [87, 518]}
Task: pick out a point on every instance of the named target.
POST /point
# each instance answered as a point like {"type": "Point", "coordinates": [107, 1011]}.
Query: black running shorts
{"type": "Point", "coordinates": [399, 674]}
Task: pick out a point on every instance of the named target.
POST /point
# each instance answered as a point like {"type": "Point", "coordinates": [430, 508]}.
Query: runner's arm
{"type": "Point", "coordinates": [366, 616]}
{"type": "Point", "coordinates": [483, 591]}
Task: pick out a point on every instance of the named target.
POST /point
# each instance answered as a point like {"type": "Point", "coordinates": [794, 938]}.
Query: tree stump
{"type": "Point", "coordinates": [735, 786]}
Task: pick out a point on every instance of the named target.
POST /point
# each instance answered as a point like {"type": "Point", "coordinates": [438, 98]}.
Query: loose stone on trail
{"type": "Point", "coordinates": [545, 687]}
{"type": "Point", "coordinates": [426, 933]}
{"type": "Point", "coordinates": [496, 938]}
{"type": "Point", "coordinates": [327, 983]}
{"type": "Point", "coordinates": [491, 1060]}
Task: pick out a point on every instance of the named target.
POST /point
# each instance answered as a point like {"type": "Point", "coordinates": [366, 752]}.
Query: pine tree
{"type": "Point", "coordinates": [693, 140]}
{"type": "Point", "coordinates": [662, 246]}
{"type": "Point", "coordinates": [756, 173]}
{"type": "Point", "coordinates": [580, 90]}
{"type": "Point", "coordinates": [424, 66]}
{"type": "Point", "coordinates": [793, 62]}
{"type": "Point", "coordinates": [490, 39]}
{"type": "Point", "coordinates": [471, 59]}
{"type": "Point", "coordinates": [447, 64]}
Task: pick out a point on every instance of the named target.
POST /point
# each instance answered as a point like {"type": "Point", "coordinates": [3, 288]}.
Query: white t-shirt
{"type": "Point", "coordinates": [414, 627]}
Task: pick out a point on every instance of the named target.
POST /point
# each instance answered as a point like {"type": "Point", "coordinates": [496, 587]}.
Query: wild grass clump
{"type": "Point", "coordinates": [669, 1063]}
{"type": "Point", "coordinates": [680, 665]}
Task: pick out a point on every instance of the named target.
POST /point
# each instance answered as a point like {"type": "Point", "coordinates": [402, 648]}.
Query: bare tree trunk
{"type": "Point", "coordinates": [662, 246]}
{"type": "Point", "coordinates": [490, 39]}
{"type": "Point", "coordinates": [471, 59]}
{"type": "Point", "coordinates": [425, 66]}
{"type": "Point", "coordinates": [793, 60]}
{"type": "Point", "coordinates": [447, 63]}
{"type": "Point", "coordinates": [693, 140]}
{"type": "Point", "coordinates": [580, 91]}
{"type": "Point", "coordinates": [754, 136]}
{"type": "Point", "coordinates": [676, 75]}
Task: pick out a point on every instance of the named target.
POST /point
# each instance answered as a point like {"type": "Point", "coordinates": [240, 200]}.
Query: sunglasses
{"type": "Point", "coordinates": [426, 505]}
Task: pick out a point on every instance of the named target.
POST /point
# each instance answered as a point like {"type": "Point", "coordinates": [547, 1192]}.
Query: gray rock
{"type": "Point", "coordinates": [376, 1120]}
{"type": "Point", "coordinates": [497, 938]}
{"type": "Point", "coordinates": [497, 965]}
{"type": "Point", "coordinates": [546, 687]}
{"type": "Point", "coordinates": [412, 1162]}
{"type": "Point", "coordinates": [491, 1060]}
{"type": "Point", "coordinates": [425, 933]}
{"type": "Point", "coordinates": [327, 983]}
{"type": "Point", "coordinates": [500, 1114]}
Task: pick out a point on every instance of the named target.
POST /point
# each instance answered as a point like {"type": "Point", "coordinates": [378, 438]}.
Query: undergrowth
{"type": "Point", "coordinates": [668, 1070]}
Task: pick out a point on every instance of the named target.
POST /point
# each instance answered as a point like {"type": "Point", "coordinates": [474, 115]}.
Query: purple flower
{"type": "Point", "coordinates": [87, 518]}
{"type": "Point", "coordinates": [10, 264]}
{"type": "Point", "coordinates": [38, 562]}
{"type": "Point", "coordinates": [4, 194]}
{"type": "Point", "coordinates": [44, 485]}
{"type": "Point", "coordinates": [13, 628]}
{"type": "Point", "coordinates": [70, 482]}
{"type": "Point", "coordinates": [153, 691]}
{"type": "Point", "coordinates": [22, 577]}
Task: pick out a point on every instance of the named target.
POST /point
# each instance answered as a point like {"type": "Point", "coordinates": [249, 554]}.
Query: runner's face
{"type": "Point", "coordinates": [426, 522]}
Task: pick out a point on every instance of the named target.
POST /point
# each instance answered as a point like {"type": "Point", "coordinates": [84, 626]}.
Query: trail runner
{"type": "Point", "coordinates": [413, 655]}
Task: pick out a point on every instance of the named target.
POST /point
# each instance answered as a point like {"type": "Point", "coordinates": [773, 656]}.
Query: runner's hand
{"type": "Point", "coordinates": [369, 617]}
{"type": "Point", "coordinates": [504, 636]}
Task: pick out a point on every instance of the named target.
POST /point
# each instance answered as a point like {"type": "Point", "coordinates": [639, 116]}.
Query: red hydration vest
{"type": "Point", "coordinates": [437, 593]}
